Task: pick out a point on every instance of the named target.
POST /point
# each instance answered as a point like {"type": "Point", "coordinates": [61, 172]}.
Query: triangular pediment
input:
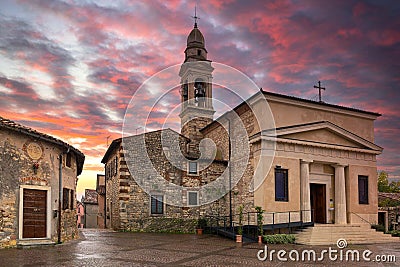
{"type": "Point", "coordinates": [325, 133]}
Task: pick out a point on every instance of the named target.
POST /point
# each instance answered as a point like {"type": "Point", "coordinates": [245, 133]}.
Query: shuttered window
{"type": "Point", "coordinates": [192, 167]}
{"type": "Point", "coordinates": [65, 203]}
{"type": "Point", "coordinates": [68, 160]}
{"type": "Point", "coordinates": [193, 199]}
{"type": "Point", "coordinates": [72, 199]}
{"type": "Point", "coordinates": [157, 206]}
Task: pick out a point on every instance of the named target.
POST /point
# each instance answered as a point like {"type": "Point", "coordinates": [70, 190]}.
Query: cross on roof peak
{"type": "Point", "coordinates": [319, 89]}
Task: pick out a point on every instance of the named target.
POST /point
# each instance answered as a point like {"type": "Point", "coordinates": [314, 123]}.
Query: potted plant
{"type": "Point", "coordinates": [240, 228]}
{"type": "Point", "coordinates": [260, 219]}
{"type": "Point", "coordinates": [201, 225]}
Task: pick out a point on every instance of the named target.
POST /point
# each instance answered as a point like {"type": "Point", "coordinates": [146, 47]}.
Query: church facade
{"type": "Point", "coordinates": [323, 170]}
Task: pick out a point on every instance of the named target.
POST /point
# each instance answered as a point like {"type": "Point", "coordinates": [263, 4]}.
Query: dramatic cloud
{"type": "Point", "coordinates": [70, 68]}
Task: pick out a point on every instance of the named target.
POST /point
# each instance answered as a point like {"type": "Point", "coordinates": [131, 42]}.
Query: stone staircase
{"type": "Point", "coordinates": [328, 234]}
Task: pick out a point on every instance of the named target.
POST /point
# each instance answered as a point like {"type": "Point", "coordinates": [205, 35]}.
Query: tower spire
{"type": "Point", "coordinates": [195, 17]}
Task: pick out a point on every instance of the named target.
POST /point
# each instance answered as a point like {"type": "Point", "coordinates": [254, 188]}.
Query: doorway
{"type": "Point", "coordinates": [34, 213]}
{"type": "Point", "coordinates": [318, 202]}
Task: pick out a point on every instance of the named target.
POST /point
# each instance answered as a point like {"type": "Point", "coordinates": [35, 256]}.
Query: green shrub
{"type": "Point", "coordinates": [387, 202]}
{"type": "Point", "coordinates": [260, 218]}
{"type": "Point", "coordinates": [279, 239]}
{"type": "Point", "coordinates": [201, 223]}
{"type": "Point", "coordinates": [395, 233]}
{"type": "Point", "coordinates": [378, 227]}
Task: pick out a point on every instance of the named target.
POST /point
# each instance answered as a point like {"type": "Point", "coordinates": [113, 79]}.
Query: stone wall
{"type": "Point", "coordinates": [132, 213]}
{"type": "Point", "coordinates": [112, 188]}
{"type": "Point", "coordinates": [242, 192]}
{"type": "Point", "coordinates": [69, 230]}
{"type": "Point", "coordinates": [12, 166]}
{"type": "Point", "coordinates": [8, 220]}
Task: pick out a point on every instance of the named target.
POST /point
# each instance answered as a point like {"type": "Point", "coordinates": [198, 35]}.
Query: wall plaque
{"type": "Point", "coordinates": [34, 150]}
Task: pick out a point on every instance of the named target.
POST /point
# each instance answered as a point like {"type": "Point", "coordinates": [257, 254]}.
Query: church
{"type": "Point", "coordinates": [323, 168]}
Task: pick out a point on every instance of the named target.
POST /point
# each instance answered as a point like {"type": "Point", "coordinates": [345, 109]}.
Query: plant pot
{"type": "Point", "coordinates": [238, 238]}
{"type": "Point", "coordinates": [259, 239]}
{"type": "Point", "coordinates": [199, 231]}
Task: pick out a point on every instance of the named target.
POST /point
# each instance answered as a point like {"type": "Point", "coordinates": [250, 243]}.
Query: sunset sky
{"type": "Point", "coordinates": [69, 68]}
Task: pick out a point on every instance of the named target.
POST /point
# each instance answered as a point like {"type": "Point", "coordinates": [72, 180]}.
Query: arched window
{"type": "Point", "coordinates": [184, 91]}
{"type": "Point", "coordinates": [199, 92]}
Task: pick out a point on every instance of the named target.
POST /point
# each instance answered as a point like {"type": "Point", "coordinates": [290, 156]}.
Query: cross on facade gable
{"type": "Point", "coordinates": [319, 89]}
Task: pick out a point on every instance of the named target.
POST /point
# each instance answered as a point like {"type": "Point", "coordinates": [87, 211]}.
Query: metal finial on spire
{"type": "Point", "coordinates": [195, 16]}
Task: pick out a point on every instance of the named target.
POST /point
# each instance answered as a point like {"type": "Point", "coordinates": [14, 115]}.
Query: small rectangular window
{"type": "Point", "coordinates": [281, 184]}
{"type": "Point", "coordinates": [106, 171]}
{"type": "Point", "coordinates": [68, 160]}
{"type": "Point", "coordinates": [157, 206]}
{"type": "Point", "coordinates": [362, 189]}
{"type": "Point", "coordinates": [192, 167]}
{"type": "Point", "coordinates": [193, 198]}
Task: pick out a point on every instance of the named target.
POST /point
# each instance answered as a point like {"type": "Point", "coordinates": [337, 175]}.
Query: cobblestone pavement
{"type": "Point", "coordinates": [106, 248]}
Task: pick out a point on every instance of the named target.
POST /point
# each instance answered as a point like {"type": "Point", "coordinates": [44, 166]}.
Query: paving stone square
{"type": "Point", "coordinates": [108, 248]}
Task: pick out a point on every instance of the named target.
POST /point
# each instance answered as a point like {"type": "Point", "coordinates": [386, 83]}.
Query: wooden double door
{"type": "Point", "coordinates": [34, 213]}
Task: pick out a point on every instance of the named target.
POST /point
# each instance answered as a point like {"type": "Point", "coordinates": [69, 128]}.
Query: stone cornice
{"type": "Point", "coordinates": [274, 97]}
{"type": "Point", "coordinates": [281, 132]}
{"type": "Point", "coordinates": [320, 145]}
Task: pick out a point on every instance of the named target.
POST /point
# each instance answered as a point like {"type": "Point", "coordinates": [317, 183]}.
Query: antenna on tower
{"type": "Point", "coordinates": [107, 139]}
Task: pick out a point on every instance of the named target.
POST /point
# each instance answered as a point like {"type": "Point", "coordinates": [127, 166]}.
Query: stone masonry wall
{"type": "Point", "coordinates": [112, 188]}
{"type": "Point", "coordinates": [69, 230]}
{"type": "Point", "coordinates": [12, 166]}
{"type": "Point", "coordinates": [8, 221]}
{"type": "Point", "coordinates": [134, 203]}
{"type": "Point", "coordinates": [138, 204]}
{"type": "Point", "coordinates": [133, 211]}
{"type": "Point", "coordinates": [242, 192]}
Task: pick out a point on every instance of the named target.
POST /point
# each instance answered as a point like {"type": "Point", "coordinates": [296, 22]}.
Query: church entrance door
{"type": "Point", "coordinates": [318, 202]}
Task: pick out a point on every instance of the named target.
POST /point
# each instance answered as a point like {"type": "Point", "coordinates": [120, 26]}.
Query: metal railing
{"type": "Point", "coordinates": [271, 221]}
{"type": "Point", "coordinates": [359, 216]}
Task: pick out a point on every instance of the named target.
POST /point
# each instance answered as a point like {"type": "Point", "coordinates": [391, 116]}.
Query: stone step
{"type": "Point", "coordinates": [343, 234]}
{"type": "Point", "coordinates": [348, 238]}
{"type": "Point", "coordinates": [353, 234]}
{"type": "Point", "coordinates": [34, 242]}
{"type": "Point", "coordinates": [324, 243]}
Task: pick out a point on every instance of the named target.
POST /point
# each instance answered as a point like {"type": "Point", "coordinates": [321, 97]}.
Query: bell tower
{"type": "Point", "coordinates": [196, 89]}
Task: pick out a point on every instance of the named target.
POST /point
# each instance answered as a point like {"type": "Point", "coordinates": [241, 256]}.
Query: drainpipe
{"type": "Point", "coordinates": [60, 195]}
{"type": "Point", "coordinates": [105, 202]}
{"type": "Point", "coordinates": [230, 173]}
